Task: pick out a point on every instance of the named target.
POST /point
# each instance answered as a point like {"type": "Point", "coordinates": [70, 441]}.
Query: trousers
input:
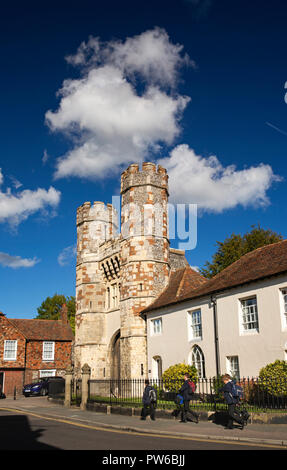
{"type": "Point", "coordinates": [233, 416]}
{"type": "Point", "coordinates": [148, 409]}
{"type": "Point", "coordinates": [186, 410]}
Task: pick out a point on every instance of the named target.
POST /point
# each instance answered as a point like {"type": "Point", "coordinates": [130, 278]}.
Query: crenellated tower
{"type": "Point", "coordinates": [96, 227]}
{"type": "Point", "coordinates": [144, 253]}
{"type": "Point", "coordinates": [118, 274]}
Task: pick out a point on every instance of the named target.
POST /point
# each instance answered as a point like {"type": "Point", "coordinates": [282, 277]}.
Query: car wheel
{"type": "Point", "coordinates": [26, 395]}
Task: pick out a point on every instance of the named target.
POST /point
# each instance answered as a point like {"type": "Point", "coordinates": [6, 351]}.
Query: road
{"type": "Point", "coordinates": [21, 430]}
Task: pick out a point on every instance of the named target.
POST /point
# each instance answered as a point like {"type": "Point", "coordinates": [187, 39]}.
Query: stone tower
{"type": "Point", "coordinates": [118, 274]}
{"type": "Point", "coordinates": [96, 226]}
{"type": "Point", "coordinates": [144, 257]}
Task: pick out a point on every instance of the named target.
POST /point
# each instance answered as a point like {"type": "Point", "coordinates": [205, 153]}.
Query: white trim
{"type": "Point", "coordinates": [230, 371]}
{"type": "Point", "coordinates": [52, 374]}
{"type": "Point", "coordinates": [52, 357]}
{"type": "Point", "coordinates": [283, 312]}
{"type": "Point", "coordinates": [190, 325]}
{"type": "Point", "coordinates": [242, 330]}
{"type": "Point", "coordinates": [152, 329]}
{"type": "Point", "coordinates": [14, 358]}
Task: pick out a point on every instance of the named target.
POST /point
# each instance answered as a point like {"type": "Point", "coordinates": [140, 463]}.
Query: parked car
{"type": "Point", "coordinates": [41, 387]}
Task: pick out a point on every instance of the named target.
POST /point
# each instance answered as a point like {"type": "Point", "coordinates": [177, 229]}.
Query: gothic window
{"type": "Point", "coordinates": [197, 360]}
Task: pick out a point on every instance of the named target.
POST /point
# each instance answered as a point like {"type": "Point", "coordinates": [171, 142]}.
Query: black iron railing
{"type": "Point", "coordinates": [258, 395]}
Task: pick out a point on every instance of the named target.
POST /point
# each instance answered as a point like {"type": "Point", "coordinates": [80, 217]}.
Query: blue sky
{"type": "Point", "coordinates": [208, 78]}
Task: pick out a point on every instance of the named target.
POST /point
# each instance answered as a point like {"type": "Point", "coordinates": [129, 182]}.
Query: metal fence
{"type": "Point", "coordinates": [258, 396]}
{"type": "Point", "coordinates": [76, 392]}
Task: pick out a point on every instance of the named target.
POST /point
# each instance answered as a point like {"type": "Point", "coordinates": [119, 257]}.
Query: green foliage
{"type": "Point", "coordinates": [273, 378]}
{"type": "Point", "coordinates": [51, 307]}
{"type": "Point", "coordinates": [173, 377]}
{"type": "Point", "coordinates": [236, 246]}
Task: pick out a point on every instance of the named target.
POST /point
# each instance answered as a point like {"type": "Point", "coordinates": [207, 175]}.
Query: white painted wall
{"type": "Point", "coordinates": [254, 350]}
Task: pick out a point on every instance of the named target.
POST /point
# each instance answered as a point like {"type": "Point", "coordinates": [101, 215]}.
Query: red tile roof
{"type": "Point", "coordinates": [47, 330]}
{"type": "Point", "coordinates": [269, 260]}
{"type": "Point", "coordinates": [180, 283]}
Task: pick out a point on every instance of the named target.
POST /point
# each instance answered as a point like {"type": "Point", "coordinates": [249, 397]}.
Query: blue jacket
{"type": "Point", "coordinates": [227, 391]}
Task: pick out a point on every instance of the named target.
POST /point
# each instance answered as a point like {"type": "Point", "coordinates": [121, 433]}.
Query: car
{"type": "Point", "coordinates": [41, 387]}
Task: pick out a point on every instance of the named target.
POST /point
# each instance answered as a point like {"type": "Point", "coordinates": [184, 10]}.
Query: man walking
{"type": "Point", "coordinates": [149, 401]}
{"type": "Point", "coordinates": [187, 391]}
{"type": "Point", "coordinates": [231, 401]}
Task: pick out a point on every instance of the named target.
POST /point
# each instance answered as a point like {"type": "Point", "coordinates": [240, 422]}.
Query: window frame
{"type": "Point", "coordinates": [45, 373]}
{"type": "Point", "coordinates": [44, 352]}
{"type": "Point", "coordinates": [153, 329]}
{"type": "Point", "coordinates": [243, 330]}
{"type": "Point", "coordinates": [14, 358]}
{"type": "Point", "coordinates": [193, 326]}
{"type": "Point", "coordinates": [195, 354]}
{"type": "Point", "coordinates": [233, 371]}
{"type": "Point", "coordinates": [283, 307]}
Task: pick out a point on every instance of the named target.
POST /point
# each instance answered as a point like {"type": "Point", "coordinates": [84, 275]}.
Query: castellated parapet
{"type": "Point", "coordinates": [120, 273]}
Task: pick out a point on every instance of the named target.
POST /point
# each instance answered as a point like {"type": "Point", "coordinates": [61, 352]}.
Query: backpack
{"type": "Point", "coordinates": [191, 388]}
{"type": "Point", "coordinates": [237, 392]}
{"type": "Point", "coordinates": [178, 400]}
{"type": "Point", "coordinates": [152, 395]}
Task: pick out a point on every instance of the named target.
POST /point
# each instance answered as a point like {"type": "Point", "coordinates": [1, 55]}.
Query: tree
{"type": "Point", "coordinates": [51, 307]}
{"type": "Point", "coordinates": [273, 378]}
{"type": "Point", "coordinates": [236, 246]}
{"type": "Point", "coordinates": [173, 376]}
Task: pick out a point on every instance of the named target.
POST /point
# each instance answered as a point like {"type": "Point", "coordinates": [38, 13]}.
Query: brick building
{"type": "Point", "coordinates": [31, 349]}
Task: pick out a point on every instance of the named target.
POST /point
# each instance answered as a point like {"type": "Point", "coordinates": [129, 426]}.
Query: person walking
{"type": "Point", "coordinates": [187, 391]}
{"type": "Point", "coordinates": [231, 401]}
{"type": "Point", "coordinates": [149, 400]}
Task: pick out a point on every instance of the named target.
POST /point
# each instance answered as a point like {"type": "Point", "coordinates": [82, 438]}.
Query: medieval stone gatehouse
{"type": "Point", "coordinates": [119, 272]}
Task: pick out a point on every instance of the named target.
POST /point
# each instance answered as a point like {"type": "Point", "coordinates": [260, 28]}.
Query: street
{"type": "Point", "coordinates": [21, 430]}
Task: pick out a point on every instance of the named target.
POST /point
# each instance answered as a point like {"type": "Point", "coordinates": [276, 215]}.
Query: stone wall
{"type": "Point", "coordinates": [135, 262]}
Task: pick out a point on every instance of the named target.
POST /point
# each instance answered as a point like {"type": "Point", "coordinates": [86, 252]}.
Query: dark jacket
{"type": "Point", "coordinates": [146, 398]}
{"type": "Point", "coordinates": [227, 391]}
{"type": "Point", "coordinates": [184, 391]}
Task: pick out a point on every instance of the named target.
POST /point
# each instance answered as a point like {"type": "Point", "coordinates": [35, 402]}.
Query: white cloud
{"type": "Point", "coordinates": [16, 207]}
{"type": "Point", "coordinates": [17, 184]}
{"type": "Point", "coordinates": [67, 255]}
{"type": "Point", "coordinates": [15, 262]}
{"type": "Point", "coordinates": [204, 181]}
{"type": "Point", "coordinates": [124, 108]}
{"type": "Point", "coordinates": [110, 121]}
{"type": "Point", "coordinates": [150, 54]}
{"type": "Point", "coordinates": [45, 157]}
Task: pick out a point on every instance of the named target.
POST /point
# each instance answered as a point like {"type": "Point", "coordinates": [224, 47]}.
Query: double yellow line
{"type": "Point", "coordinates": [142, 434]}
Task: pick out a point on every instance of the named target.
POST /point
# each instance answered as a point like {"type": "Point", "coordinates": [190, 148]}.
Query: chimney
{"type": "Point", "coordinates": [64, 314]}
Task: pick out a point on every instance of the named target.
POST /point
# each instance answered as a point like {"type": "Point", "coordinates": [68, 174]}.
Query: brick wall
{"type": "Point", "coordinates": [9, 332]}
{"type": "Point", "coordinates": [12, 378]}
{"type": "Point", "coordinates": [34, 356]}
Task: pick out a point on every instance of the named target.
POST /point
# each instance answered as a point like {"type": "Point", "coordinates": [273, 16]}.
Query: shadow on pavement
{"type": "Point", "coordinates": [16, 434]}
{"type": "Point", "coordinates": [221, 418]}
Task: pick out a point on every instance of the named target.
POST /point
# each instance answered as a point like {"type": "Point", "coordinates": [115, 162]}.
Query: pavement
{"type": "Point", "coordinates": [259, 434]}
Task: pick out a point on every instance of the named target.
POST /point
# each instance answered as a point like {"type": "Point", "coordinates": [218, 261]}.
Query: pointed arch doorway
{"type": "Point", "coordinates": [116, 357]}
